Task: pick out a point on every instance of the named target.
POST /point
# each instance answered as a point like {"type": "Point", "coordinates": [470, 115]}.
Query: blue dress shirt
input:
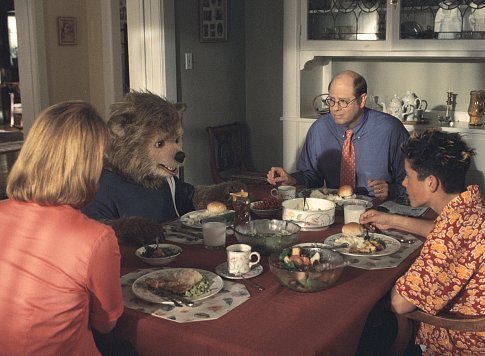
{"type": "Point", "coordinates": [377, 143]}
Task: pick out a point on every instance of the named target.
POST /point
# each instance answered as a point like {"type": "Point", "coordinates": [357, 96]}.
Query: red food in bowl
{"type": "Point", "coordinates": [268, 203]}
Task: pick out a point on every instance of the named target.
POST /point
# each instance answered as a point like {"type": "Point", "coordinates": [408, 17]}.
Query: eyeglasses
{"type": "Point", "coordinates": [341, 102]}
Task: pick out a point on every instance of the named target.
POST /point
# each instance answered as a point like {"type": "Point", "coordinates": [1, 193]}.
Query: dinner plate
{"type": "Point", "coordinates": [331, 194]}
{"type": "Point", "coordinates": [194, 218]}
{"type": "Point", "coordinates": [392, 245]}
{"type": "Point", "coordinates": [141, 291]}
{"type": "Point", "coordinates": [255, 270]}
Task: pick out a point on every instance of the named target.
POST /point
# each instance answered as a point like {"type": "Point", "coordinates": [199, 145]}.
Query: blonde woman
{"type": "Point", "coordinates": [59, 269]}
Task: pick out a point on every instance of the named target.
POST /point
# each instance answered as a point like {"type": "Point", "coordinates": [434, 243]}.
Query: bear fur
{"type": "Point", "coordinates": [141, 165]}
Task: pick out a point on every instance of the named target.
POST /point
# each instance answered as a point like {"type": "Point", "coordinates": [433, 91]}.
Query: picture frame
{"type": "Point", "coordinates": [67, 31]}
{"type": "Point", "coordinates": [213, 20]}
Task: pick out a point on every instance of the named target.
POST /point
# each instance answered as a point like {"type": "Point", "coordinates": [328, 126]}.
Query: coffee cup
{"type": "Point", "coordinates": [284, 192]}
{"type": "Point", "coordinates": [352, 212]}
{"type": "Point", "coordinates": [214, 234]}
{"type": "Point", "coordinates": [239, 259]}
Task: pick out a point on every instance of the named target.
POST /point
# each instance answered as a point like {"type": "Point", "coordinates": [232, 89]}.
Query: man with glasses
{"type": "Point", "coordinates": [373, 137]}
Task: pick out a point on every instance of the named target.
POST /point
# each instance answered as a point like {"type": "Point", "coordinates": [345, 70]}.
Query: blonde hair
{"type": "Point", "coordinates": [62, 157]}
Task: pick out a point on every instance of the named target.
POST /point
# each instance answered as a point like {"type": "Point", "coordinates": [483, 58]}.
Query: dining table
{"type": "Point", "coordinates": [273, 321]}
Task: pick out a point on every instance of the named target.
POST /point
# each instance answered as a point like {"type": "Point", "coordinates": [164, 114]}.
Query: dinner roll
{"type": "Point", "coordinates": [353, 229]}
{"type": "Point", "coordinates": [345, 191]}
{"type": "Point", "coordinates": [216, 207]}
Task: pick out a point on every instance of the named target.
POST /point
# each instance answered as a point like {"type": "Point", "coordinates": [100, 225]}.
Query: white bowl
{"type": "Point", "coordinates": [159, 261]}
{"type": "Point", "coordinates": [317, 213]}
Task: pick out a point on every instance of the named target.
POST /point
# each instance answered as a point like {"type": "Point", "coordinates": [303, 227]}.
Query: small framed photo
{"type": "Point", "coordinates": [67, 31]}
{"type": "Point", "coordinates": [213, 20]}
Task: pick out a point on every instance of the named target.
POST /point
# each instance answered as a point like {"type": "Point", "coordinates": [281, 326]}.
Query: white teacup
{"type": "Point", "coordinates": [214, 233]}
{"type": "Point", "coordinates": [284, 192]}
{"type": "Point", "coordinates": [239, 258]}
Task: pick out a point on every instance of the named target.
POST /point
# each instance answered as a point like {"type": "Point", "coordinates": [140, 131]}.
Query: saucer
{"type": "Point", "coordinates": [222, 271]}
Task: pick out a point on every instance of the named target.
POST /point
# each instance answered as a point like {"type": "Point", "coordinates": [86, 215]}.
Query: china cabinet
{"type": "Point", "coordinates": [344, 26]}
{"type": "Point", "coordinates": [321, 34]}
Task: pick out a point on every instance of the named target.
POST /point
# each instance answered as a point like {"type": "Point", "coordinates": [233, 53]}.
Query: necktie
{"type": "Point", "coordinates": [347, 161]}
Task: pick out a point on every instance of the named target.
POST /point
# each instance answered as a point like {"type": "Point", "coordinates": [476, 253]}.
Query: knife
{"type": "Point", "coordinates": [177, 300]}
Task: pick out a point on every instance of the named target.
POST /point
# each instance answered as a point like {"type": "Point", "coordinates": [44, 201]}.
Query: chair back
{"type": "Point", "coordinates": [448, 321]}
{"type": "Point", "coordinates": [226, 153]}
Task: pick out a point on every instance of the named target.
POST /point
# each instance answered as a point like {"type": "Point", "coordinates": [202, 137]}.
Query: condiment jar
{"type": "Point", "coordinates": [240, 204]}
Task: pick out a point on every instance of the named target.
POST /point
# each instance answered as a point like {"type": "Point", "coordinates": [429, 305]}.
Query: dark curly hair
{"type": "Point", "coordinates": [443, 155]}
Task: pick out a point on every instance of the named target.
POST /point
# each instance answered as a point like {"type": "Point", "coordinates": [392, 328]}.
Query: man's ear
{"type": "Point", "coordinates": [363, 100]}
{"type": "Point", "coordinates": [433, 183]}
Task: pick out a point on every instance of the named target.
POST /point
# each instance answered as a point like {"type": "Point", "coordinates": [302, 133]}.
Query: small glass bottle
{"type": "Point", "coordinates": [240, 204]}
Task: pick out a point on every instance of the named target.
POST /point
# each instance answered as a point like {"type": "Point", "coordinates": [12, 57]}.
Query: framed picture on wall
{"type": "Point", "coordinates": [213, 20]}
{"type": "Point", "coordinates": [67, 31]}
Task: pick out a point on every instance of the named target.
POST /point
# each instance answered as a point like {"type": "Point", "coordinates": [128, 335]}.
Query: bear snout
{"type": "Point", "coordinates": [180, 157]}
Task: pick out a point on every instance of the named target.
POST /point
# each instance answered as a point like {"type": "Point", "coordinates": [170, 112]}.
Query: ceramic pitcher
{"type": "Point", "coordinates": [395, 107]}
{"type": "Point", "coordinates": [411, 99]}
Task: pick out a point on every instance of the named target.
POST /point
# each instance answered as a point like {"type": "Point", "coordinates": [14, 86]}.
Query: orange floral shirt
{"type": "Point", "coordinates": [449, 275]}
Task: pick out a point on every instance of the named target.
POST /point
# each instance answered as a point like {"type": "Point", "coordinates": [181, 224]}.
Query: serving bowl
{"type": "Point", "coordinates": [263, 213]}
{"type": "Point", "coordinates": [318, 276]}
{"type": "Point", "coordinates": [267, 236]}
{"type": "Point", "coordinates": [171, 251]}
{"type": "Point", "coordinates": [309, 213]}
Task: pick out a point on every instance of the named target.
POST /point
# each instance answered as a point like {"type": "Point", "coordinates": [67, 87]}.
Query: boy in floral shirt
{"type": "Point", "coordinates": [449, 274]}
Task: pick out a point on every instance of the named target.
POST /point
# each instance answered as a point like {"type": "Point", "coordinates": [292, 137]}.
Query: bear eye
{"type": "Point", "coordinates": [178, 139]}
{"type": "Point", "coordinates": [159, 144]}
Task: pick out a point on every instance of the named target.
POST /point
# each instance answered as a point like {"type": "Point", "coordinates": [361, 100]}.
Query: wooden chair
{"type": "Point", "coordinates": [451, 322]}
{"type": "Point", "coordinates": [228, 156]}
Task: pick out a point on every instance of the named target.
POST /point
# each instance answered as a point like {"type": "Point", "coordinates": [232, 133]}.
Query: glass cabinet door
{"type": "Point", "coordinates": [442, 20]}
{"type": "Point", "coordinates": [349, 20]}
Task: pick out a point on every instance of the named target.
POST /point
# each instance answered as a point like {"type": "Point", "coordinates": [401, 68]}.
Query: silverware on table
{"type": "Point", "coordinates": [177, 300]}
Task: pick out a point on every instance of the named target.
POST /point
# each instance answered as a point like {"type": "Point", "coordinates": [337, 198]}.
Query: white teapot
{"type": "Point", "coordinates": [412, 103]}
{"type": "Point", "coordinates": [395, 107]}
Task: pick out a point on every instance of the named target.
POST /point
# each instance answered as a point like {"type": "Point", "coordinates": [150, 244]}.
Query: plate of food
{"type": "Point", "coordinates": [353, 235]}
{"type": "Point", "coordinates": [190, 283]}
{"type": "Point", "coordinates": [338, 196]}
{"type": "Point", "coordinates": [215, 211]}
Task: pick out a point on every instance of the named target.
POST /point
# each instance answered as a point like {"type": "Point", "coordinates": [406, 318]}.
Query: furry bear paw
{"type": "Point", "coordinates": [136, 231]}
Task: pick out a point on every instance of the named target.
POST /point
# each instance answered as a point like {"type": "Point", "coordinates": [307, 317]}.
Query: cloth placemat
{"type": "Point", "coordinates": [389, 261]}
{"type": "Point", "coordinates": [232, 295]}
{"type": "Point", "coordinates": [402, 209]}
{"type": "Point", "coordinates": [179, 233]}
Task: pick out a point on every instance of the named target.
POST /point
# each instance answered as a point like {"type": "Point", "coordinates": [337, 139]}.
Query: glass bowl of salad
{"type": "Point", "coordinates": [267, 236]}
{"type": "Point", "coordinates": [158, 254]}
{"type": "Point", "coordinates": [308, 267]}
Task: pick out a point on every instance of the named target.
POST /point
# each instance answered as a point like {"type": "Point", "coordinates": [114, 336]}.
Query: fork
{"type": "Point", "coordinates": [366, 236]}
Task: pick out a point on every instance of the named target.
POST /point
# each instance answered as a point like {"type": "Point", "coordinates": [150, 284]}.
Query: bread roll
{"type": "Point", "coordinates": [345, 191]}
{"type": "Point", "coordinates": [216, 207]}
{"type": "Point", "coordinates": [353, 229]}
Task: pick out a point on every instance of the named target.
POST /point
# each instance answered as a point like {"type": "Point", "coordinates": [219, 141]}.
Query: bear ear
{"type": "Point", "coordinates": [119, 124]}
{"type": "Point", "coordinates": [181, 107]}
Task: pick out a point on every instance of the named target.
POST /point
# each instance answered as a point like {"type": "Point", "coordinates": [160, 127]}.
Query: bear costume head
{"type": "Point", "coordinates": [152, 125]}
{"type": "Point", "coordinates": [139, 188]}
